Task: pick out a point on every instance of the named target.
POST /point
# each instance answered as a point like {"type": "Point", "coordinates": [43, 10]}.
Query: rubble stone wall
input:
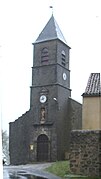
{"type": "Point", "coordinates": [85, 155]}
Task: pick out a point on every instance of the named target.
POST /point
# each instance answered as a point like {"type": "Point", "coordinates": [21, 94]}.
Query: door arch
{"type": "Point", "coordinates": [42, 148]}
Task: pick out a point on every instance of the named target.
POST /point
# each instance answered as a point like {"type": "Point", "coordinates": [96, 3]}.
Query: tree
{"type": "Point", "coordinates": [5, 145]}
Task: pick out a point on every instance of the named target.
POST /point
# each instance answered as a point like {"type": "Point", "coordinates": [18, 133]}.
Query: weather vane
{"type": "Point", "coordinates": [51, 7]}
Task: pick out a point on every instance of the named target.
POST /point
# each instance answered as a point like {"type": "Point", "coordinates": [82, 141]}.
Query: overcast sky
{"type": "Point", "coordinates": [21, 21]}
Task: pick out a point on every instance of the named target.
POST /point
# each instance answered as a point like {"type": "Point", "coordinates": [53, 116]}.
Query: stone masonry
{"type": "Point", "coordinates": [85, 156]}
{"type": "Point", "coordinates": [42, 134]}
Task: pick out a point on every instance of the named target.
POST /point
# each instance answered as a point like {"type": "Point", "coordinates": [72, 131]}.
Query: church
{"type": "Point", "coordinates": [43, 132]}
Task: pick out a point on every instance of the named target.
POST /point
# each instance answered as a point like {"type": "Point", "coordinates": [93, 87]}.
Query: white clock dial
{"type": "Point", "coordinates": [43, 99]}
{"type": "Point", "coordinates": [64, 76]}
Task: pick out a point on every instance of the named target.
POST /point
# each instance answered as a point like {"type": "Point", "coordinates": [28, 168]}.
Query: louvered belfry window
{"type": "Point", "coordinates": [44, 55]}
{"type": "Point", "coordinates": [63, 58]}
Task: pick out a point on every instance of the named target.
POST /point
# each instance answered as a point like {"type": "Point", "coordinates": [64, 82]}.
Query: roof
{"type": "Point", "coordinates": [50, 32]}
{"type": "Point", "coordinates": [93, 86]}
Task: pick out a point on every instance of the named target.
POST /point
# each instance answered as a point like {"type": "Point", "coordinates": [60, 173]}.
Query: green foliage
{"type": "Point", "coordinates": [62, 169]}
{"type": "Point", "coordinates": [4, 138]}
{"type": "Point", "coordinates": [5, 145]}
{"type": "Point", "coordinates": [81, 177]}
{"type": "Point", "coordinates": [86, 177]}
{"type": "Point", "coordinates": [59, 168]}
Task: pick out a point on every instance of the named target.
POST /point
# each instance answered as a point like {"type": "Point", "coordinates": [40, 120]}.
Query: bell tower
{"type": "Point", "coordinates": [43, 132]}
{"type": "Point", "coordinates": [50, 91]}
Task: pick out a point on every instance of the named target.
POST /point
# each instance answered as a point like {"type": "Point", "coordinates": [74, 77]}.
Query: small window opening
{"type": "Point", "coordinates": [63, 58]}
{"type": "Point", "coordinates": [44, 55]}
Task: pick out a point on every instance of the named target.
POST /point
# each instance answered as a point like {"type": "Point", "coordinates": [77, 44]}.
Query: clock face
{"type": "Point", "coordinates": [64, 76]}
{"type": "Point", "coordinates": [43, 99]}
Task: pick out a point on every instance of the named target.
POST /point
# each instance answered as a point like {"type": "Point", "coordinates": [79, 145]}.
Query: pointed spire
{"type": "Point", "coordinates": [51, 31]}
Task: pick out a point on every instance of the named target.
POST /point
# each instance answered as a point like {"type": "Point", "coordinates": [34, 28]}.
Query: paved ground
{"type": "Point", "coordinates": [26, 170]}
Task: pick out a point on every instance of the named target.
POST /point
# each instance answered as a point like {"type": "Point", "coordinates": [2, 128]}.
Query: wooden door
{"type": "Point", "coordinates": [42, 148]}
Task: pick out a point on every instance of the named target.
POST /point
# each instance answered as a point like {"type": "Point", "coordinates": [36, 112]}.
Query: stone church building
{"type": "Point", "coordinates": [43, 132]}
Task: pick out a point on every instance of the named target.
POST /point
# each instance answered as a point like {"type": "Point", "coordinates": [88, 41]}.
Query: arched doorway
{"type": "Point", "coordinates": [42, 148]}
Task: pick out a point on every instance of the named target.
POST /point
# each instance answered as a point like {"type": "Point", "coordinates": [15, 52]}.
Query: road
{"type": "Point", "coordinates": [28, 171]}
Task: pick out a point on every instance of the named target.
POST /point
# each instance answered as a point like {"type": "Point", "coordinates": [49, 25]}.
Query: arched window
{"type": "Point", "coordinates": [63, 58]}
{"type": "Point", "coordinates": [44, 55]}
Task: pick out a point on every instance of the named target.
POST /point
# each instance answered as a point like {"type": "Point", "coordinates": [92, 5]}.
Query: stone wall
{"type": "Point", "coordinates": [85, 156]}
{"type": "Point", "coordinates": [91, 110]}
{"type": "Point", "coordinates": [19, 140]}
{"type": "Point", "coordinates": [75, 114]}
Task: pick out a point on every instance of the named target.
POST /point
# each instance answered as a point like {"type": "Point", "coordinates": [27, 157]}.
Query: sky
{"type": "Point", "coordinates": [21, 21]}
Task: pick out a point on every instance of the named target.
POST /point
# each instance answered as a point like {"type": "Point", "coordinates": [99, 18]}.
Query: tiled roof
{"type": "Point", "coordinates": [51, 31]}
{"type": "Point", "coordinates": [93, 86]}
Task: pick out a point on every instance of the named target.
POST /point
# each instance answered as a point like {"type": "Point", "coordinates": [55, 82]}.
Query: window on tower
{"type": "Point", "coordinates": [44, 55]}
{"type": "Point", "coordinates": [63, 58]}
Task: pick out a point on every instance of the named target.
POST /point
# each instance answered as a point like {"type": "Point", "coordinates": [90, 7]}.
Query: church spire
{"type": "Point", "coordinates": [50, 32]}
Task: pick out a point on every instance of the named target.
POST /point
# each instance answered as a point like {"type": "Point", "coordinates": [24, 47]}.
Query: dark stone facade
{"type": "Point", "coordinates": [85, 155]}
{"type": "Point", "coordinates": [24, 132]}
{"type": "Point", "coordinates": [43, 133]}
{"type": "Point", "coordinates": [19, 139]}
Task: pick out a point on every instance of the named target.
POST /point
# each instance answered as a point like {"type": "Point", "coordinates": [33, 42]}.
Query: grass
{"type": "Point", "coordinates": [59, 168]}
{"type": "Point", "coordinates": [62, 169]}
